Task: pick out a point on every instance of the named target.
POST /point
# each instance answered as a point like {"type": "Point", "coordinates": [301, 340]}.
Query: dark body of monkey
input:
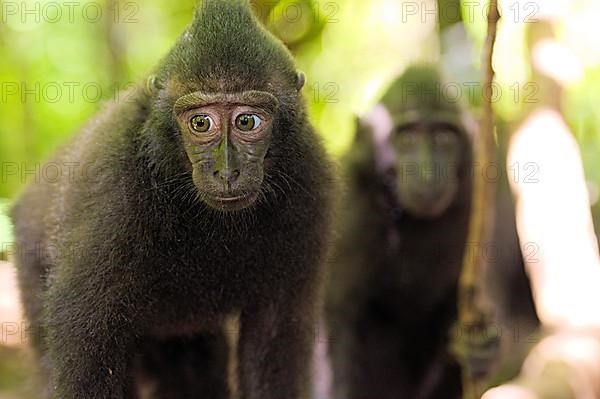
{"type": "Point", "coordinates": [402, 228]}
{"type": "Point", "coordinates": [206, 199]}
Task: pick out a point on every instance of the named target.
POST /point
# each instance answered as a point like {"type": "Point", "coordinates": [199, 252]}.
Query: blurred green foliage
{"type": "Point", "coordinates": [14, 370]}
{"type": "Point", "coordinates": [59, 69]}
{"type": "Point", "coordinates": [59, 64]}
{"type": "Point", "coordinates": [5, 226]}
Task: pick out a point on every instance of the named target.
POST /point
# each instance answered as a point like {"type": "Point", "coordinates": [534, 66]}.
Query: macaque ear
{"type": "Point", "coordinates": [373, 132]}
{"type": "Point", "coordinates": [363, 131]}
{"type": "Point", "coordinates": [300, 80]}
{"type": "Point", "coordinates": [363, 146]}
{"type": "Point", "coordinates": [152, 84]}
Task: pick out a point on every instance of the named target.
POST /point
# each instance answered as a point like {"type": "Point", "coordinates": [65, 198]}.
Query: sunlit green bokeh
{"type": "Point", "coordinates": [6, 234]}
{"type": "Point", "coordinates": [57, 72]}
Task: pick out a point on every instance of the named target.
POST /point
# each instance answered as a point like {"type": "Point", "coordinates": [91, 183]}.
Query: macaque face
{"type": "Point", "coordinates": [427, 159]}
{"type": "Point", "coordinates": [227, 137]}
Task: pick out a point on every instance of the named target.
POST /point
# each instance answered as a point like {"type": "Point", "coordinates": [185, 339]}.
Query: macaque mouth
{"type": "Point", "coordinates": [432, 196]}
{"type": "Point", "coordinates": [234, 202]}
{"type": "Point", "coordinates": [233, 199]}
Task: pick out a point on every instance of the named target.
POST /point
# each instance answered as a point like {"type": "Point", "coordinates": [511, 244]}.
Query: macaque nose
{"type": "Point", "coordinates": [227, 176]}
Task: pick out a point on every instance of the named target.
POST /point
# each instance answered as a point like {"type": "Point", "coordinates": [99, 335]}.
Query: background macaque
{"type": "Point", "coordinates": [392, 291]}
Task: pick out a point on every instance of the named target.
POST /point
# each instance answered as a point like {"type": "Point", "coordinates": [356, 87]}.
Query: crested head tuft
{"type": "Point", "coordinates": [227, 49]}
{"type": "Point", "coordinates": [420, 88]}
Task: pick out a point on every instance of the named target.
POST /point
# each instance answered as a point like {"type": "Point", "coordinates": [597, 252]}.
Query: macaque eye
{"type": "Point", "coordinates": [407, 139]}
{"type": "Point", "coordinates": [247, 122]}
{"type": "Point", "coordinates": [444, 138]}
{"type": "Point", "coordinates": [201, 123]}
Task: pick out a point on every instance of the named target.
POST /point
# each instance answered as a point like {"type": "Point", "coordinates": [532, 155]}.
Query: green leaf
{"type": "Point", "coordinates": [6, 235]}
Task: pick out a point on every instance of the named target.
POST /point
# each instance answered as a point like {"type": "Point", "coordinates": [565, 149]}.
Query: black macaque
{"type": "Point", "coordinates": [205, 200]}
{"type": "Point", "coordinates": [402, 229]}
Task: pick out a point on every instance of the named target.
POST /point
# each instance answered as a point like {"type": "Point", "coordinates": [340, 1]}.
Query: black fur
{"type": "Point", "coordinates": [155, 271]}
{"type": "Point", "coordinates": [392, 290]}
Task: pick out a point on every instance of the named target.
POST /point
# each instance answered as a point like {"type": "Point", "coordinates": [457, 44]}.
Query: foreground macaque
{"type": "Point", "coordinates": [205, 200]}
{"type": "Point", "coordinates": [392, 290]}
